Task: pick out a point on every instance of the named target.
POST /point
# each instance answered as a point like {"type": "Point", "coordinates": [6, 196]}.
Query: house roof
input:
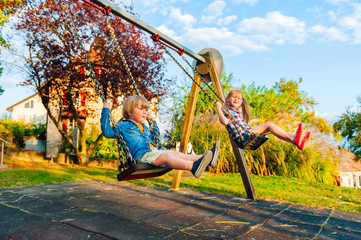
{"type": "Point", "coordinates": [10, 109]}
{"type": "Point", "coordinates": [347, 164]}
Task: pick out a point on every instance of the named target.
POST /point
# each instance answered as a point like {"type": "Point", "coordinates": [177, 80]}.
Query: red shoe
{"type": "Point", "coordinates": [298, 135]}
{"type": "Point", "coordinates": [305, 140]}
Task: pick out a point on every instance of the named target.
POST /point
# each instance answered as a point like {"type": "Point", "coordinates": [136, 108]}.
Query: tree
{"type": "Point", "coordinates": [8, 7]}
{"type": "Point", "coordinates": [284, 101]}
{"type": "Point", "coordinates": [349, 125]}
{"type": "Point", "coordinates": [57, 69]}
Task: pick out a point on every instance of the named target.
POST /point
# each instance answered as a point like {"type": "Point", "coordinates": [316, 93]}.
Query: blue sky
{"type": "Point", "coordinates": [261, 41]}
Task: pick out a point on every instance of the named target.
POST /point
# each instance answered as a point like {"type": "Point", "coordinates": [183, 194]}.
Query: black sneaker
{"type": "Point", "coordinates": [215, 150]}
{"type": "Point", "coordinates": [200, 165]}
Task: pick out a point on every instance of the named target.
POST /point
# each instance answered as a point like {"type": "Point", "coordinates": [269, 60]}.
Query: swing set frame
{"type": "Point", "coordinates": [205, 61]}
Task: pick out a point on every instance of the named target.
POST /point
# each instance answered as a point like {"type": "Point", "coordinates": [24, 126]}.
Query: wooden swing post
{"type": "Point", "coordinates": [187, 127]}
{"type": "Point", "coordinates": [238, 153]}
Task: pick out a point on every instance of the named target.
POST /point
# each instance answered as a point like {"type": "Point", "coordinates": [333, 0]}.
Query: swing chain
{"type": "Point", "coordinates": [120, 52]}
{"type": "Point", "coordinates": [92, 73]}
{"type": "Point", "coordinates": [119, 137]}
{"type": "Point", "coordinates": [125, 64]}
{"type": "Point", "coordinates": [186, 72]}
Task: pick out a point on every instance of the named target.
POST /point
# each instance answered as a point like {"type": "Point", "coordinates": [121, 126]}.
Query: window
{"type": "Point", "coordinates": [29, 104]}
{"type": "Point", "coordinates": [68, 124]}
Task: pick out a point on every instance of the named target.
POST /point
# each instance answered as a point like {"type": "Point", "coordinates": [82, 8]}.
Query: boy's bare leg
{"type": "Point", "coordinates": [173, 161]}
{"type": "Point", "coordinates": [270, 128]}
{"type": "Point", "coordinates": [187, 157]}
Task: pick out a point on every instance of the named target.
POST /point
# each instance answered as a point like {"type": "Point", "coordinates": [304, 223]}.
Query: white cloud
{"type": "Point", "coordinates": [169, 32]}
{"type": "Point", "coordinates": [329, 34]}
{"type": "Point", "coordinates": [354, 110]}
{"type": "Point", "coordinates": [328, 115]}
{"type": "Point", "coordinates": [213, 11]}
{"type": "Point", "coordinates": [337, 2]}
{"type": "Point", "coordinates": [226, 20]}
{"type": "Point", "coordinates": [221, 39]}
{"type": "Point", "coordinates": [353, 23]}
{"type": "Point", "coordinates": [275, 28]}
{"type": "Point", "coordinates": [250, 2]}
{"type": "Point", "coordinates": [185, 20]}
{"type": "Point", "coordinates": [332, 16]}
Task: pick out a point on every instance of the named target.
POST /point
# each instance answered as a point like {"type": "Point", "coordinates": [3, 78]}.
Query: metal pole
{"type": "Point", "coordinates": [142, 25]}
{"type": "Point", "coordinates": [2, 152]}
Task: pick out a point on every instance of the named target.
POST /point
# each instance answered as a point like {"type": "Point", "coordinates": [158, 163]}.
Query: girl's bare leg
{"type": "Point", "coordinates": [270, 128]}
{"type": "Point", "coordinates": [176, 160]}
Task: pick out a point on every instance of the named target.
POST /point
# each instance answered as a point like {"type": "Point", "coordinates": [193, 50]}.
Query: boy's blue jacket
{"type": "Point", "coordinates": [137, 143]}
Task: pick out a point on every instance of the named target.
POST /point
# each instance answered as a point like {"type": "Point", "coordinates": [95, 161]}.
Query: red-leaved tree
{"type": "Point", "coordinates": [58, 70]}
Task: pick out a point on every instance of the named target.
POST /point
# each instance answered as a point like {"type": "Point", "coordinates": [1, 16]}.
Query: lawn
{"type": "Point", "coordinates": [273, 188]}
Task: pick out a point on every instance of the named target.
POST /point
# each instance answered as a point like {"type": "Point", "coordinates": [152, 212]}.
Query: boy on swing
{"type": "Point", "coordinates": [139, 139]}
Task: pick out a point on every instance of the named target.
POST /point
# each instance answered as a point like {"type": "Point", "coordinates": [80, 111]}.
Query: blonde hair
{"type": "Point", "coordinates": [134, 101]}
{"type": "Point", "coordinates": [243, 108]}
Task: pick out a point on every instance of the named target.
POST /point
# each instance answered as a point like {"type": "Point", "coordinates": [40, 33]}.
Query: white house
{"type": "Point", "coordinates": [349, 171]}
{"type": "Point", "coordinates": [30, 109]}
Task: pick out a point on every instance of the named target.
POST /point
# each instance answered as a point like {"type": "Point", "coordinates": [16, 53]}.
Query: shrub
{"type": "Point", "coordinates": [316, 163]}
{"type": "Point", "coordinates": [14, 131]}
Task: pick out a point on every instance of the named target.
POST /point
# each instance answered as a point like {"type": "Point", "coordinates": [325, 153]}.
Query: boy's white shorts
{"type": "Point", "coordinates": [150, 157]}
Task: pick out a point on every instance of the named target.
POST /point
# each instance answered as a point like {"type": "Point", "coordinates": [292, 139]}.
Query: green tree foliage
{"type": "Point", "coordinates": [1, 89]}
{"type": "Point", "coordinates": [349, 125]}
{"type": "Point", "coordinates": [7, 8]}
{"type": "Point", "coordinates": [283, 101]}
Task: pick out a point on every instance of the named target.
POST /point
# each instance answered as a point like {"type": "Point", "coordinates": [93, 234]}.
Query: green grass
{"type": "Point", "coordinates": [281, 189]}
{"type": "Point", "coordinates": [18, 178]}
{"type": "Point", "coordinates": [272, 188]}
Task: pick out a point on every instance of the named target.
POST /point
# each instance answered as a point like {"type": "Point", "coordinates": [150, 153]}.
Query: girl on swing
{"type": "Point", "coordinates": [236, 117]}
{"type": "Point", "coordinates": [139, 139]}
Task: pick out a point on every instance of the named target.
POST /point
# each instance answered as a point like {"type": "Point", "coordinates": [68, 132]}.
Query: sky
{"type": "Point", "coordinates": [261, 41]}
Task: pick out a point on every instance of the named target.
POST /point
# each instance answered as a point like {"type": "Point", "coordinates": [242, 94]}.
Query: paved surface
{"type": "Point", "coordinates": [98, 210]}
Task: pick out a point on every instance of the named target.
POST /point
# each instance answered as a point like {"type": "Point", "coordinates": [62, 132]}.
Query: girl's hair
{"type": "Point", "coordinates": [133, 101]}
{"type": "Point", "coordinates": [243, 108]}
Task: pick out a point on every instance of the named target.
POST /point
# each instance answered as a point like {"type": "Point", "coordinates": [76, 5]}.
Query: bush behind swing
{"type": "Point", "coordinates": [317, 163]}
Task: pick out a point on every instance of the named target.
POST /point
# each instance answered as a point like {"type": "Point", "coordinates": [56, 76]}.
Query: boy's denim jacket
{"type": "Point", "coordinates": [137, 143]}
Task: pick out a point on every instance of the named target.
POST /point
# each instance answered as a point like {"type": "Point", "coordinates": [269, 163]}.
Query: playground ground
{"type": "Point", "coordinates": [104, 210]}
